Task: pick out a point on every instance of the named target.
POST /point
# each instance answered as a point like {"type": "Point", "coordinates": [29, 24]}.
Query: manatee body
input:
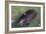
{"type": "Point", "coordinates": [26, 18]}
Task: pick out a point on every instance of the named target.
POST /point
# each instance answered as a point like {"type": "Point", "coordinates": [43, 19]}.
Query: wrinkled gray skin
{"type": "Point", "coordinates": [26, 18]}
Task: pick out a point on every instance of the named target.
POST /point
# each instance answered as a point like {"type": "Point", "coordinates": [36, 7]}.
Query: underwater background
{"type": "Point", "coordinates": [17, 11]}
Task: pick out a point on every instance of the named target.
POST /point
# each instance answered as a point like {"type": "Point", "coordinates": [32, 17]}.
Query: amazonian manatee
{"type": "Point", "coordinates": [26, 18]}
